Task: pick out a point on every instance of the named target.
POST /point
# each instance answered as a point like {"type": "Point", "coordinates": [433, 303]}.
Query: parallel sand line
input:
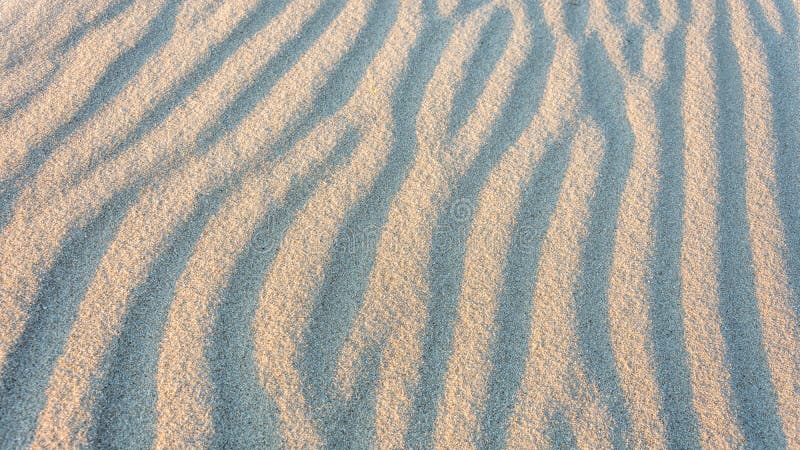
{"type": "Point", "coordinates": [197, 23]}
{"type": "Point", "coordinates": [700, 259]}
{"type": "Point", "coordinates": [270, 192]}
{"type": "Point", "coordinates": [38, 241]}
{"type": "Point", "coordinates": [185, 416]}
{"type": "Point", "coordinates": [295, 275]}
{"type": "Point", "coordinates": [285, 301]}
{"type": "Point", "coordinates": [27, 35]}
{"type": "Point", "coordinates": [488, 242]}
{"type": "Point", "coordinates": [628, 295]}
{"type": "Point", "coordinates": [776, 301]}
{"type": "Point", "coordinates": [12, 314]}
{"type": "Point", "coordinates": [90, 143]}
{"type": "Point", "coordinates": [215, 257]}
{"type": "Point", "coordinates": [83, 68]}
{"type": "Point", "coordinates": [32, 49]}
{"type": "Point", "coordinates": [393, 312]}
{"type": "Point", "coordinates": [554, 381]}
{"type": "Point", "coordinates": [218, 250]}
{"type": "Point", "coordinates": [630, 272]}
{"type": "Point", "coordinates": [156, 213]}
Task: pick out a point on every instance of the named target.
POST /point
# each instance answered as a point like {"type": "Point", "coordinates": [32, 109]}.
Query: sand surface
{"type": "Point", "coordinates": [400, 223]}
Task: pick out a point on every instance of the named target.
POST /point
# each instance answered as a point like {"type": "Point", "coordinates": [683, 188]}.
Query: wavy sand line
{"type": "Point", "coordinates": [85, 65]}
{"type": "Point", "coordinates": [488, 243]}
{"type": "Point", "coordinates": [381, 317]}
{"type": "Point", "coordinates": [778, 312]}
{"type": "Point", "coordinates": [700, 285]}
{"type": "Point", "coordinates": [156, 213]}
{"type": "Point", "coordinates": [67, 209]}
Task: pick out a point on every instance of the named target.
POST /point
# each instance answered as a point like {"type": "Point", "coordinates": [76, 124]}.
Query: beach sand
{"type": "Point", "coordinates": [400, 223]}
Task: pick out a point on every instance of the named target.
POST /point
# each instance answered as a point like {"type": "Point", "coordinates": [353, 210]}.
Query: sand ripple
{"type": "Point", "coordinates": [400, 223]}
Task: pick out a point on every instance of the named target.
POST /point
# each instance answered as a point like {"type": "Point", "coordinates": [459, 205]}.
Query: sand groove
{"type": "Point", "coordinates": [192, 175]}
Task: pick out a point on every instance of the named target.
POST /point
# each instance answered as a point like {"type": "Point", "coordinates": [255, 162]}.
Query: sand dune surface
{"type": "Point", "coordinates": [400, 224]}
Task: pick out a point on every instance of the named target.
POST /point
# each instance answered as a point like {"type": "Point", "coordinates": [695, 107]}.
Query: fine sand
{"type": "Point", "coordinates": [400, 223]}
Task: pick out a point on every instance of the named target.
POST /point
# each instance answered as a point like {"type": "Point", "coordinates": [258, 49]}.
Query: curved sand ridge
{"type": "Point", "coordinates": [400, 223]}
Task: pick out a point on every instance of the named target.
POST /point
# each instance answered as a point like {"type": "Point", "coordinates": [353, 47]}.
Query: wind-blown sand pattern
{"type": "Point", "coordinates": [400, 223]}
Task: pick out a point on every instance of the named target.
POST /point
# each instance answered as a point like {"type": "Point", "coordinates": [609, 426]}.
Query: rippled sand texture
{"type": "Point", "coordinates": [400, 223]}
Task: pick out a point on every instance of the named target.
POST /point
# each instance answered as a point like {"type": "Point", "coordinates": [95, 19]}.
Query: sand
{"type": "Point", "coordinates": [400, 223]}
